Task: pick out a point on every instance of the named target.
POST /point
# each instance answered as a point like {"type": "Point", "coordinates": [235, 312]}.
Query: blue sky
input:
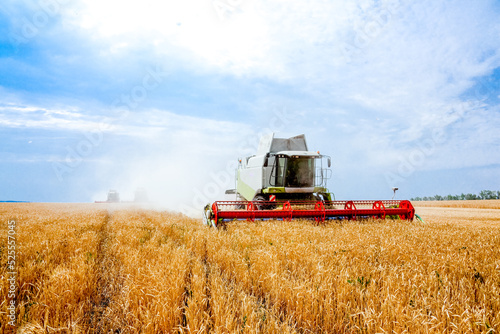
{"type": "Point", "coordinates": [98, 95]}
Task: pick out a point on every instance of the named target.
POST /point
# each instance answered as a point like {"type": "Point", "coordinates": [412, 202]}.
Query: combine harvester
{"type": "Point", "coordinates": [113, 197]}
{"type": "Point", "coordinates": [285, 180]}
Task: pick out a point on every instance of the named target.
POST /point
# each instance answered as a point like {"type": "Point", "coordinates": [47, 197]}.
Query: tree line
{"type": "Point", "coordinates": [484, 194]}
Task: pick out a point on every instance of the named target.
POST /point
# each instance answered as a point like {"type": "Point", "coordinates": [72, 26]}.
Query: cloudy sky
{"type": "Point", "coordinates": [108, 94]}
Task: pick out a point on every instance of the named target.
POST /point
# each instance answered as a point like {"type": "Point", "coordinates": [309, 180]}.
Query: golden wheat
{"type": "Point", "coordinates": [95, 268]}
{"type": "Point", "coordinates": [474, 204]}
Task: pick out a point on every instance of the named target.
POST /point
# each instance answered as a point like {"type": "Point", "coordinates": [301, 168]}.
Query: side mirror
{"type": "Point", "coordinates": [329, 162]}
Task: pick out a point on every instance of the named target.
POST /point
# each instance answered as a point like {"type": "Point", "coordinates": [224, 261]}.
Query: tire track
{"type": "Point", "coordinates": [269, 311]}
{"type": "Point", "coordinates": [207, 286]}
{"type": "Point", "coordinates": [187, 294]}
{"type": "Point", "coordinates": [108, 281]}
{"type": "Point", "coordinates": [197, 294]}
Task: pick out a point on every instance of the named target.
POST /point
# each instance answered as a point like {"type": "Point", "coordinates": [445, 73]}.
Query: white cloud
{"type": "Point", "coordinates": [191, 29]}
{"type": "Point", "coordinates": [29, 116]}
{"type": "Point", "coordinates": [356, 50]}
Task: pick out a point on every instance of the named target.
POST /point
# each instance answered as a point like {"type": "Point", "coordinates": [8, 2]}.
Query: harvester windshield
{"type": "Point", "coordinates": [296, 171]}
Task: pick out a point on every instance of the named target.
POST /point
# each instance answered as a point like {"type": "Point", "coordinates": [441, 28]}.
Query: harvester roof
{"type": "Point", "coordinates": [299, 154]}
{"type": "Point", "coordinates": [269, 144]}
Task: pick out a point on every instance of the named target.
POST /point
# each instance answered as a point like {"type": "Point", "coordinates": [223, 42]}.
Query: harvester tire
{"type": "Point", "coordinates": [259, 206]}
{"type": "Point", "coordinates": [259, 199]}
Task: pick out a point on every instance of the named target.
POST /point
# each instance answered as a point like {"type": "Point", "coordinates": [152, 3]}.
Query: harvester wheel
{"type": "Point", "coordinates": [262, 206]}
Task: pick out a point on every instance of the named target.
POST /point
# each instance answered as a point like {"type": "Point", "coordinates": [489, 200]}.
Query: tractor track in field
{"type": "Point", "coordinates": [208, 291]}
{"type": "Point", "coordinates": [212, 268]}
{"type": "Point", "coordinates": [188, 294]}
{"type": "Point", "coordinates": [108, 280]}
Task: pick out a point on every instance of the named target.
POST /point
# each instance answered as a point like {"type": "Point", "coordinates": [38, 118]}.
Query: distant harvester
{"type": "Point", "coordinates": [113, 197]}
{"type": "Point", "coordinates": [140, 196]}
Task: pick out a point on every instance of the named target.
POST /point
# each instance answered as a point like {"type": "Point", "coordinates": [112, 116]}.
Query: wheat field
{"type": "Point", "coordinates": [97, 268]}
